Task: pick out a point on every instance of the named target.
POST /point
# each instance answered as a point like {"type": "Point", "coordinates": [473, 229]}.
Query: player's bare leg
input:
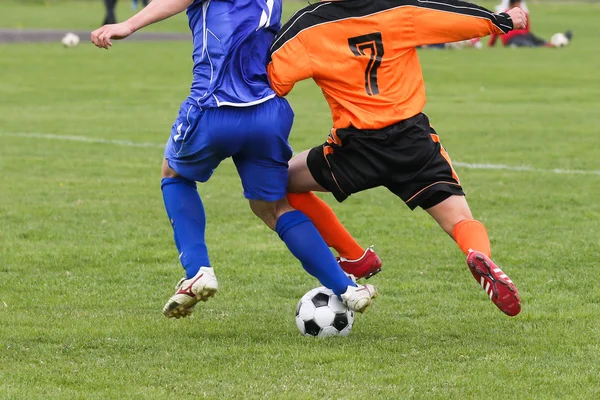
{"type": "Point", "coordinates": [300, 180]}
{"type": "Point", "coordinates": [270, 211]}
{"type": "Point", "coordinates": [455, 218]}
{"type": "Point", "coordinates": [354, 259]}
{"type": "Point", "coordinates": [450, 212]}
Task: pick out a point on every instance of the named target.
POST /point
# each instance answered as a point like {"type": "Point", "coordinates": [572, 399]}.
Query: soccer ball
{"type": "Point", "coordinates": [70, 40]}
{"type": "Point", "coordinates": [321, 313]}
{"type": "Point", "coordinates": [559, 40]}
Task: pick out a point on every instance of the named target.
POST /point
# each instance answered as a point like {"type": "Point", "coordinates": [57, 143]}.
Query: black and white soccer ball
{"type": "Point", "coordinates": [559, 40]}
{"type": "Point", "coordinates": [321, 313]}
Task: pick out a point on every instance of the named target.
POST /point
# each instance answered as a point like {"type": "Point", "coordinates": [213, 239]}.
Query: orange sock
{"type": "Point", "coordinates": [472, 235]}
{"type": "Point", "coordinates": [327, 223]}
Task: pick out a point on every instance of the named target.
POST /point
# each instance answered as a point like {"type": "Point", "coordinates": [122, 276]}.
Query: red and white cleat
{"type": "Point", "coordinates": [365, 267]}
{"type": "Point", "coordinates": [497, 284]}
{"type": "Point", "coordinates": [189, 292]}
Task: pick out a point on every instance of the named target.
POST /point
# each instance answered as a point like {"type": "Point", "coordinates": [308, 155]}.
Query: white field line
{"type": "Point", "coordinates": [69, 138]}
{"type": "Point", "coordinates": [524, 168]}
{"type": "Point", "coordinates": [129, 143]}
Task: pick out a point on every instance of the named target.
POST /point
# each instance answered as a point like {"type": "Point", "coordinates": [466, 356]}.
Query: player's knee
{"type": "Point", "coordinates": [450, 212]}
{"type": "Point", "coordinates": [270, 211]}
{"type": "Point", "coordinates": [449, 222]}
{"type": "Point", "coordinates": [265, 211]}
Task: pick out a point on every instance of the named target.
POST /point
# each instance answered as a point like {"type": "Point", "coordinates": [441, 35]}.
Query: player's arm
{"type": "Point", "coordinates": [289, 64]}
{"type": "Point", "coordinates": [445, 21]}
{"type": "Point", "coordinates": [155, 11]}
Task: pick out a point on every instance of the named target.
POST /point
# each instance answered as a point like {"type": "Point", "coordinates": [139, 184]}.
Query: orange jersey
{"type": "Point", "coordinates": [362, 53]}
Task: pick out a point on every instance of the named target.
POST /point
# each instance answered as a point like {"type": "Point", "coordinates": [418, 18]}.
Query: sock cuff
{"type": "Point", "coordinates": [180, 179]}
{"type": "Point", "coordinates": [288, 220]}
{"type": "Point", "coordinates": [461, 224]}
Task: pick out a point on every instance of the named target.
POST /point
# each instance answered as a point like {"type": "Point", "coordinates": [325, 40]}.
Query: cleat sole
{"type": "Point", "coordinates": [206, 294]}
{"type": "Point", "coordinates": [372, 273]}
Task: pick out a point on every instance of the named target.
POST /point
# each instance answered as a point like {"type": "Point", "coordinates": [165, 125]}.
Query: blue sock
{"type": "Point", "coordinates": [186, 213]}
{"type": "Point", "coordinates": [307, 245]}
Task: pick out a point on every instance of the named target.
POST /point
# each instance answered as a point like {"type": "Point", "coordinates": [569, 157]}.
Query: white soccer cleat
{"type": "Point", "coordinates": [358, 298]}
{"type": "Point", "coordinates": [189, 292]}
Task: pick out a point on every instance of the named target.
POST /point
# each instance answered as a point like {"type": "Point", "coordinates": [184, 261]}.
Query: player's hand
{"type": "Point", "coordinates": [519, 18]}
{"type": "Point", "coordinates": [102, 37]}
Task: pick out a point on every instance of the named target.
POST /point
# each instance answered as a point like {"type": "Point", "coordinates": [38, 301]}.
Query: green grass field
{"type": "Point", "coordinates": [87, 259]}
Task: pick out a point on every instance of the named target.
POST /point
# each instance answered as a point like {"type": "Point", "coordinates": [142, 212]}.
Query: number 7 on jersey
{"type": "Point", "coordinates": [371, 45]}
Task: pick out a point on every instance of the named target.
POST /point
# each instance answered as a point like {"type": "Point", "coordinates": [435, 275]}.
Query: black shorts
{"type": "Point", "coordinates": [407, 158]}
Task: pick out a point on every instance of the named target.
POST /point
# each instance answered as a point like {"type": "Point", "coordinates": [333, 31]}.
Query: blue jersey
{"type": "Point", "coordinates": [231, 43]}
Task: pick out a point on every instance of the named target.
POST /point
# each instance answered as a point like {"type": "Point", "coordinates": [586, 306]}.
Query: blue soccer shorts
{"type": "Point", "coordinates": [255, 137]}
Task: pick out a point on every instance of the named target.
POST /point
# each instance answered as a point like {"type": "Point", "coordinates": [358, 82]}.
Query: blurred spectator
{"type": "Point", "coordinates": [134, 4]}
{"type": "Point", "coordinates": [110, 17]}
{"type": "Point", "coordinates": [475, 43]}
{"type": "Point", "coordinates": [523, 37]}
{"type": "Point", "coordinates": [505, 5]}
